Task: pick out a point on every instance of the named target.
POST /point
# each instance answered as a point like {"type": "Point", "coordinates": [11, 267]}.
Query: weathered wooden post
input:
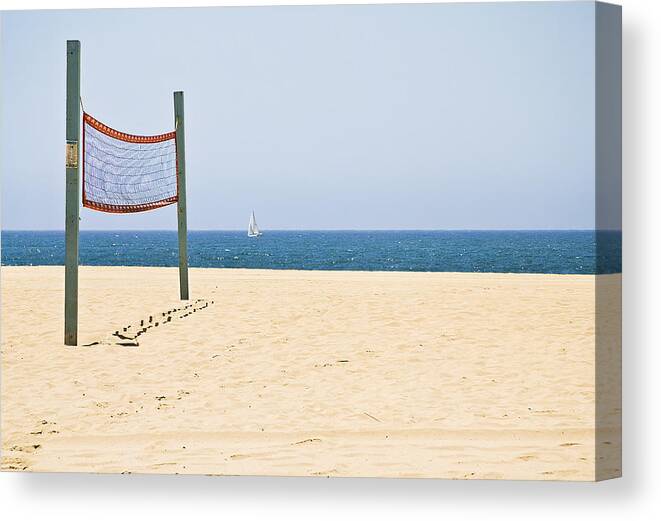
{"type": "Point", "coordinates": [72, 193]}
{"type": "Point", "coordinates": [181, 190]}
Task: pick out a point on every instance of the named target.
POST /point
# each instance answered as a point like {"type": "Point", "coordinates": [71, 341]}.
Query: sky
{"type": "Point", "coordinates": [446, 116]}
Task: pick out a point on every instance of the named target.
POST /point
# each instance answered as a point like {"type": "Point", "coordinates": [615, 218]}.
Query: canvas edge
{"type": "Point", "coordinates": [608, 216]}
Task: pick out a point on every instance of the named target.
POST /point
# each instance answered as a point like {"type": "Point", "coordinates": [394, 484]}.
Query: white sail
{"type": "Point", "coordinates": [253, 229]}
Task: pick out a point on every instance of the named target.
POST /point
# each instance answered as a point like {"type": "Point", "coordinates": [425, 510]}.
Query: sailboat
{"type": "Point", "coordinates": [253, 229]}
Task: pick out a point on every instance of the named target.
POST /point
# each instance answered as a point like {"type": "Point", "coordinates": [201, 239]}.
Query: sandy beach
{"type": "Point", "coordinates": [309, 373]}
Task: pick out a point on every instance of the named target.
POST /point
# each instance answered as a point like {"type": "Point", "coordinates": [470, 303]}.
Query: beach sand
{"type": "Point", "coordinates": [314, 374]}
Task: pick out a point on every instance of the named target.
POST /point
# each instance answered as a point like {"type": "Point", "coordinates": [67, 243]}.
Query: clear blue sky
{"type": "Point", "coordinates": [455, 116]}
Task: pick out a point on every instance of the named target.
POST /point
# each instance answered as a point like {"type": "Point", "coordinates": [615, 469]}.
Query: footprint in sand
{"type": "Point", "coordinates": [527, 457]}
{"type": "Point", "coordinates": [240, 456]}
{"type": "Point", "coordinates": [14, 464]}
{"type": "Point", "coordinates": [25, 448]}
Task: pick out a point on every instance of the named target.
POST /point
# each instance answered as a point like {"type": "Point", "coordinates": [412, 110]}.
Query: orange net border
{"type": "Point", "coordinates": [129, 138]}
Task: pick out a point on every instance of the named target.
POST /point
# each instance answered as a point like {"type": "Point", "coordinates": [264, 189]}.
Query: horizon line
{"type": "Point", "coordinates": [325, 230]}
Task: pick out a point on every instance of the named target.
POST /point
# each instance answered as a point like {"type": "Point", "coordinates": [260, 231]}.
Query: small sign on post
{"type": "Point", "coordinates": [72, 154]}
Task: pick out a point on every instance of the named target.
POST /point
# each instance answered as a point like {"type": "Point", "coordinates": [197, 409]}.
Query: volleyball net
{"type": "Point", "coordinates": [126, 173]}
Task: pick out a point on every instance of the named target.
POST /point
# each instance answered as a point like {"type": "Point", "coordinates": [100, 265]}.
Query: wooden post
{"type": "Point", "coordinates": [72, 193]}
{"type": "Point", "coordinates": [181, 190]}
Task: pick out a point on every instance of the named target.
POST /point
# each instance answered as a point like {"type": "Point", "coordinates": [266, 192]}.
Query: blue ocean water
{"type": "Point", "coordinates": [583, 252]}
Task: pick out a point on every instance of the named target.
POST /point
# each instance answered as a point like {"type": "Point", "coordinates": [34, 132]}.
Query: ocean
{"type": "Point", "coordinates": [579, 252]}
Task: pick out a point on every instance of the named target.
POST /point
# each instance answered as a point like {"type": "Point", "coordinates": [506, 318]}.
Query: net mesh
{"type": "Point", "coordinates": [125, 173]}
